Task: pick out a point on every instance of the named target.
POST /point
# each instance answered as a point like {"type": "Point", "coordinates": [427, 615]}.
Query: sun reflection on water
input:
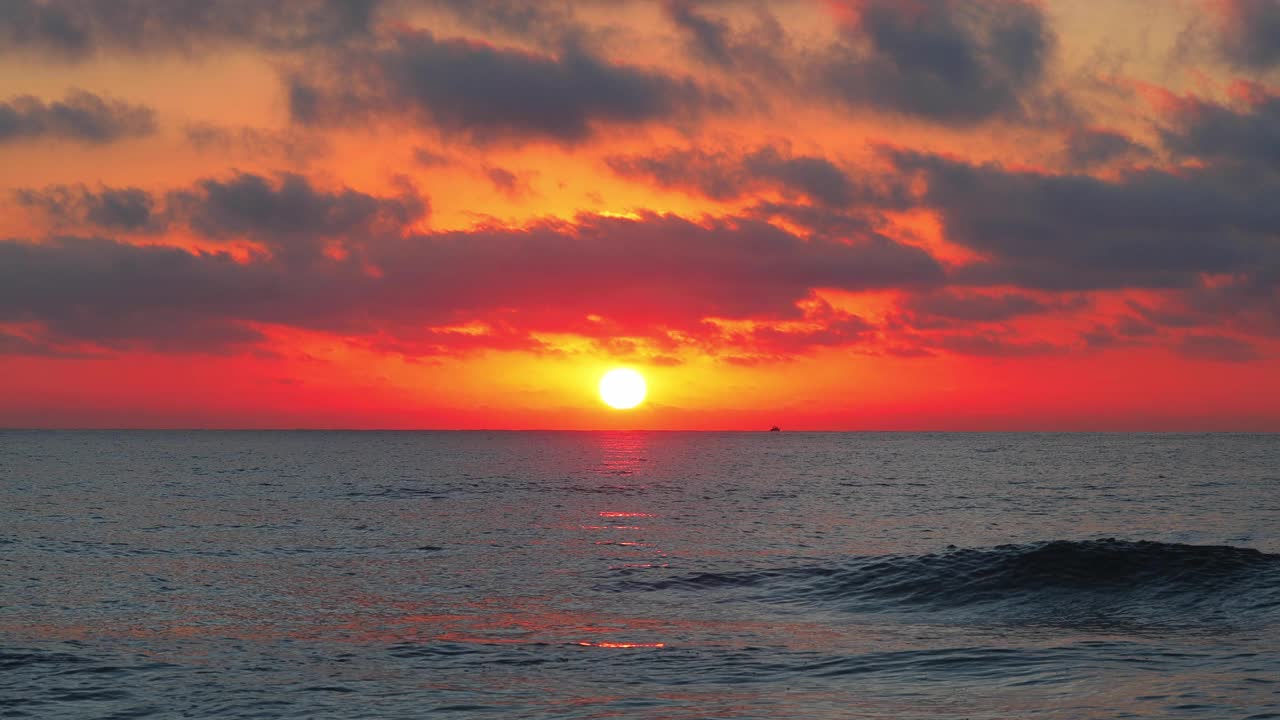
{"type": "Point", "coordinates": [623, 453]}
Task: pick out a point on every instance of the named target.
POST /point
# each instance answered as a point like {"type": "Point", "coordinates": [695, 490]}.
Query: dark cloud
{"type": "Point", "coordinates": [1243, 304]}
{"type": "Point", "coordinates": [429, 158]}
{"type": "Point", "coordinates": [542, 22]}
{"type": "Point", "coordinates": [289, 211]}
{"type": "Point", "coordinates": [79, 29]}
{"type": "Point", "coordinates": [14, 344]}
{"type": "Point", "coordinates": [1148, 228]}
{"type": "Point", "coordinates": [724, 176]}
{"type": "Point", "coordinates": [641, 277]}
{"type": "Point", "coordinates": [507, 182]}
{"type": "Point", "coordinates": [153, 329]}
{"type": "Point", "coordinates": [80, 116]}
{"type": "Point", "coordinates": [1127, 331]}
{"type": "Point", "coordinates": [822, 221]}
{"type": "Point", "coordinates": [105, 293]}
{"type": "Point", "coordinates": [1167, 315]}
{"type": "Point", "coordinates": [115, 209]}
{"type": "Point", "coordinates": [430, 342]}
{"type": "Point", "coordinates": [1100, 338]}
{"type": "Point", "coordinates": [708, 37]}
{"type": "Point", "coordinates": [1090, 148]}
{"type": "Point", "coordinates": [906, 351]}
{"type": "Point", "coordinates": [948, 61]}
{"type": "Point", "coordinates": [1250, 33]}
{"type": "Point", "coordinates": [991, 345]}
{"type": "Point", "coordinates": [658, 269]}
{"type": "Point", "coordinates": [755, 343]}
{"type": "Point", "coordinates": [951, 306]}
{"type": "Point", "coordinates": [834, 329]}
{"type": "Point", "coordinates": [255, 142]}
{"type": "Point", "coordinates": [485, 93]}
{"type": "Point", "coordinates": [714, 175]}
{"type": "Point", "coordinates": [1132, 327]}
{"type": "Point", "coordinates": [129, 209]}
{"type": "Point", "coordinates": [1247, 135]}
{"type": "Point", "coordinates": [1217, 347]}
{"type": "Point", "coordinates": [758, 51]}
{"type": "Point", "coordinates": [815, 177]}
{"type": "Point", "coordinates": [1207, 234]}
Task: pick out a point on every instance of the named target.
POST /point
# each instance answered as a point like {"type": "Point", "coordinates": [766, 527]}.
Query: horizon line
{"type": "Point", "coordinates": [765, 431]}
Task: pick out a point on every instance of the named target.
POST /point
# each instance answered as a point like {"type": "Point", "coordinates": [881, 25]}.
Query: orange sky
{"type": "Point", "coordinates": [831, 215]}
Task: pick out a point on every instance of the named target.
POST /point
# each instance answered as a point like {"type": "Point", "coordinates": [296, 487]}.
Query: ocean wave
{"type": "Point", "coordinates": [1075, 581]}
{"type": "Point", "coordinates": [676, 665]}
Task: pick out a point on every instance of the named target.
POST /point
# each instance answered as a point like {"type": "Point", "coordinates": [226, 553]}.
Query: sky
{"type": "Point", "coordinates": [862, 215]}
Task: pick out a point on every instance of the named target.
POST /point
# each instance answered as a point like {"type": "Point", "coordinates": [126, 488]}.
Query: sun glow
{"type": "Point", "coordinates": [622, 388]}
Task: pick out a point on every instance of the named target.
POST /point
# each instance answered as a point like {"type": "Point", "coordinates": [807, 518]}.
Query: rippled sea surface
{"type": "Point", "coordinates": [638, 575]}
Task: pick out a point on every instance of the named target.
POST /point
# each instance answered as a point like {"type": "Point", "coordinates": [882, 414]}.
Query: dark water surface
{"type": "Point", "coordinates": [638, 575]}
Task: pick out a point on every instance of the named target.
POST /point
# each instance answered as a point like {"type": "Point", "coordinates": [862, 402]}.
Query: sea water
{"type": "Point", "coordinates": [638, 575]}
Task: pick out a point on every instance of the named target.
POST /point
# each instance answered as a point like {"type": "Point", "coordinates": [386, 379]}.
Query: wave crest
{"type": "Point", "coordinates": [1073, 580]}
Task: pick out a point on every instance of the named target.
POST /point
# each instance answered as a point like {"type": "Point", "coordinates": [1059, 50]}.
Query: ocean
{"type": "Point", "coordinates": [638, 575]}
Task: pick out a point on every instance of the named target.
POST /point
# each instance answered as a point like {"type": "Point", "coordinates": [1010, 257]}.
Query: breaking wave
{"type": "Point", "coordinates": [1072, 581]}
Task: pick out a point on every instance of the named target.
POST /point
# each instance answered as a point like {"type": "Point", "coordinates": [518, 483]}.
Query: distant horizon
{"type": "Point", "coordinates": [869, 431]}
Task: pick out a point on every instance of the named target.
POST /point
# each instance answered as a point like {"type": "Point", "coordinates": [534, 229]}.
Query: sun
{"type": "Point", "coordinates": [622, 388]}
